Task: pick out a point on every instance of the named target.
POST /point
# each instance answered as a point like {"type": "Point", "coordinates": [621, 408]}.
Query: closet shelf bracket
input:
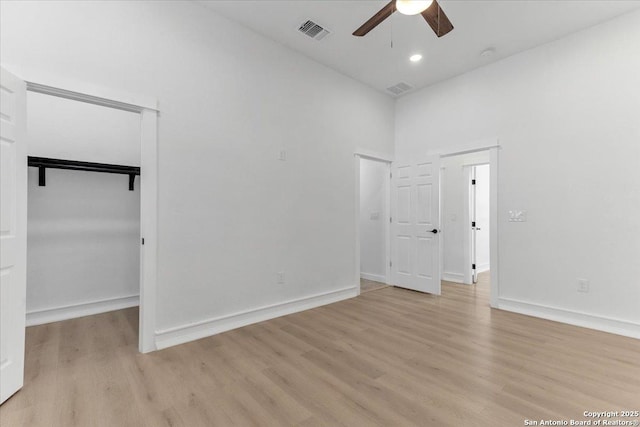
{"type": "Point", "coordinates": [42, 163]}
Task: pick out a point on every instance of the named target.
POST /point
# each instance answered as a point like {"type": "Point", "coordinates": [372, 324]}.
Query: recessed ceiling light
{"type": "Point", "coordinates": [488, 52]}
{"type": "Point", "coordinates": [415, 58]}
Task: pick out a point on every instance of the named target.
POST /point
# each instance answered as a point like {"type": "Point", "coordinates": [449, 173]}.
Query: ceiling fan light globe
{"type": "Point", "coordinates": [412, 7]}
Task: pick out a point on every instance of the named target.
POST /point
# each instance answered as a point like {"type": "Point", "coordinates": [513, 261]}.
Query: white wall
{"type": "Point", "coordinates": [483, 211]}
{"type": "Point", "coordinates": [374, 177]}
{"type": "Point", "coordinates": [66, 129]}
{"type": "Point", "coordinates": [230, 214]}
{"type": "Point", "coordinates": [566, 114]}
{"type": "Point", "coordinates": [83, 227]}
{"type": "Point", "coordinates": [455, 203]}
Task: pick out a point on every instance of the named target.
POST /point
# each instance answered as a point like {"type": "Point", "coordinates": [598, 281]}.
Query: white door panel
{"type": "Point", "coordinates": [472, 201]}
{"type": "Point", "coordinates": [13, 236]}
{"type": "Point", "coordinates": [415, 214]}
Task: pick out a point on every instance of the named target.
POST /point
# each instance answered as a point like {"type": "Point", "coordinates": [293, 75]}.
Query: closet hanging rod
{"type": "Point", "coordinates": [42, 163]}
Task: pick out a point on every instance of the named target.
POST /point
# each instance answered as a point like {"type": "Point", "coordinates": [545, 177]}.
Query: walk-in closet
{"type": "Point", "coordinates": [83, 228]}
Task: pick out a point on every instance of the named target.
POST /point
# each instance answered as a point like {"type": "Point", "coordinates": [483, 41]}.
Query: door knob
{"type": "Point", "coordinates": [434, 231]}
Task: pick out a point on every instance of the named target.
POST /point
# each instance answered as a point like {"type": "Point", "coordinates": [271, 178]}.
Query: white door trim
{"type": "Point", "coordinates": [494, 232]}
{"type": "Point", "coordinates": [147, 108]}
{"type": "Point", "coordinates": [493, 146]}
{"type": "Point", "coordinates": [374, 155]}
{"type": "Point", "coordinates": [471, 147]}
{"type": "Point", "coordinates": [363, 154]}
{"type": "Point", "coordinates": [148, 230]}
{"type": "Point", "coordinates": [72, 88]}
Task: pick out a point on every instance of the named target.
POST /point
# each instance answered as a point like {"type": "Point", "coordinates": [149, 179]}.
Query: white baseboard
{"type": "Point", "coordinates": [56, 314]}
{"type": "Point", "coordinates": [576, 318]}
{"type": "Point", "coordinates": [452, 277]}
{"type": "Point", "coordinates": [194, 331]}
{"type": "Point", "coordinates": [374, 277]}
{"type": "Point", "coordinates": [481, 268]}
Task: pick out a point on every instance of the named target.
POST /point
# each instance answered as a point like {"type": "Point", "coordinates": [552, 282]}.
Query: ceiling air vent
{"type": "Point", "coordinates": [399, 88]}
{"type": "Point", "coordinates": [313, 30]}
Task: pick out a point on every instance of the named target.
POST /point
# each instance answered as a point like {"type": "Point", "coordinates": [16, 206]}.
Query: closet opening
{"type": "Point", "coordinates": [372, 222]}
{"type": "Point", "coordinates": [83, 212]}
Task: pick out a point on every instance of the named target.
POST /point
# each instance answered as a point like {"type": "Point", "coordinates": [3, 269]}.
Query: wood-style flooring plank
{"type": "Point", "coordinates": [390, 357]}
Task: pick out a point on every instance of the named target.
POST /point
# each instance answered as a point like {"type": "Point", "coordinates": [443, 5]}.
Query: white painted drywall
{"type": "Point", "coordinates": [454, 200]}
{"type": "Point", "coordinates": [83, 227]}
{"type": "Point", "coordinates": [374, 177]}
{"type": "Point", "coordinates": [567, 118]}
{"type": "Point", "coordinates": [483, 176]}
{"type": "Point", "coordinates": [231, 214]}
{"type": "Point", "coordinates": [66, 129]}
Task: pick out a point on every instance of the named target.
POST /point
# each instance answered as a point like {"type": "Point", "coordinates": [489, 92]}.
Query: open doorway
{"type": "Point", "coordinates": [466, 217]}
{"type": "Point", "coordinates": [429, 221]}
{"type": "Point", "coordinates": [83, 222]}
{"type": "Point", "coordinates": [142, 118]}
{"type": "Point", "coordinates": [14, 216]}
{"type": "Point", "coordinates": [373, 223]}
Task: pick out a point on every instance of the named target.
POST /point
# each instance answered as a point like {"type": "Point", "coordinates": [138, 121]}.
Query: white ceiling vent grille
{"type": "Point", "coordinates": [400, 88]}
{"type": "Point", "coordinates": [313, 30]}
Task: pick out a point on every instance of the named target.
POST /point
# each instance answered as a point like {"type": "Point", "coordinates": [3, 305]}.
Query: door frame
{"type": "Point", "coordinates": [147, 108]}
{"type": "Point", "coordinates": [386, 159]}
{"type": "Point", "coordinates": [492, 145]}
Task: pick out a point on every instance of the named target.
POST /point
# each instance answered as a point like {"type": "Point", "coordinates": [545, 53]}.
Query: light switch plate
{"type": "Point", "coordinates": [517, 216]}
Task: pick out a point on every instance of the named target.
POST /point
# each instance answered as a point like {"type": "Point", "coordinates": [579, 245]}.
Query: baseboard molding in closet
{"type": "Point", "coordinates": [56, 314]}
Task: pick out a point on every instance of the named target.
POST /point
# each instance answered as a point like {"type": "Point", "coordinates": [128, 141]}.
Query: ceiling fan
{"type": "Point", "coordinates": [429, 9]}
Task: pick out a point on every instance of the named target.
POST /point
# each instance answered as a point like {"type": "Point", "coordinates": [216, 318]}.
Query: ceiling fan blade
{"type": "Point", "coordinates": [437, 20]}
{"type": "Point", "coordinates": [376, 19]}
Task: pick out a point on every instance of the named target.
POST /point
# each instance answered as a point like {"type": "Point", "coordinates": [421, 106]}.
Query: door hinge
{"type": "Point", "coordinates": [473, 223]}
{"type": "Point", "coordinates": [143, 240]}
{"type": "Point", "coordinates": [390, 174]}
{"type": "Point", "coordinates": [390, 263]}
{"type": "Point", "coordinates": [473, 266]}
{"type": "Point", "coordinates": [390, 219]}
{"type": "Point", "coordinates": [473, 182]}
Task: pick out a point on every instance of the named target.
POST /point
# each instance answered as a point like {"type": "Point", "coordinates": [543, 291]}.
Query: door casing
{"type": "Point", "coordinates": [147, 107]}
{"type": "Point", "coordinates": [492, 145]}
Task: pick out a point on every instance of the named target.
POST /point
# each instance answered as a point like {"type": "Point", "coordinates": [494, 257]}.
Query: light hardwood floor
{"type": "Point", "coordinates": [390, 357]}
{"type": "Point", "coordinates": [370, 285]}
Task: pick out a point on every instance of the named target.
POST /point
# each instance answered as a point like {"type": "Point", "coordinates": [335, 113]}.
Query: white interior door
{"type": "Point", "coordinates": [482, 218]}
{"type": "Point", "coordinates": [474, 225]}
{"type": "Point", "coordinates": [415, 224]}
{"type": "Point", "coordinates": [13, 233]}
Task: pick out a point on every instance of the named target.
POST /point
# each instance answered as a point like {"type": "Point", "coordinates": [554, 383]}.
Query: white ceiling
{"type": "Point", "coordinates": [508, 26]}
